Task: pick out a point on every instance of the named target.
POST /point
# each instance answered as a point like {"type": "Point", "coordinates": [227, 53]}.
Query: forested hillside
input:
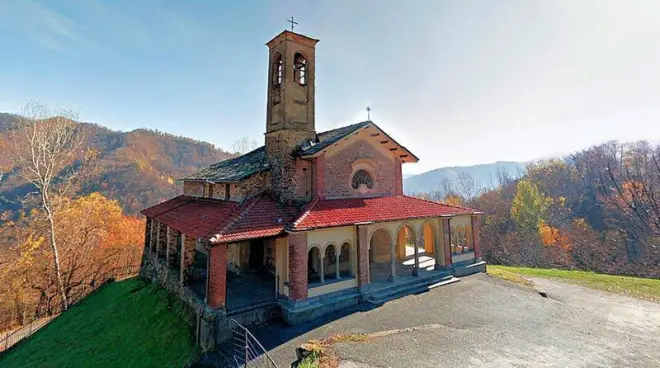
{"type": "Point", "coordinates": [137, 168]}
{"type": "Point", "coordinates": [598, 210]}
{"type": "Point", "coordinates": [69, 196]}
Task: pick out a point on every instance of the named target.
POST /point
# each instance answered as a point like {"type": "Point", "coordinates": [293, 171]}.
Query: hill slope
{"type": "Point", "coordinates": [130, 323]}
{"type": "Point", "coordinates": [137, 168]}
{"type": "Point", "coordinates": [483, 175]}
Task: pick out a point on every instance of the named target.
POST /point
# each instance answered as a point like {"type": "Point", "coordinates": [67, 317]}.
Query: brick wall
{"type": "Point", "coordinates": [476, 236]}
{"type": "Point", "coordinates": [217, 276]}
{"type": "Point", "coordinates": [398, 177]}
{"type": "Point", "coordinates": [339, 169]}
{"type": "Point", "coordinates": [363, 257]}
{"type": "Point", "coordinates": [318, 177]}
{"type": "Point", "coordinates": [298, 266]}
{"type": "Point", "coordinates": [380, 242]}
{"type": "Point", "coordinates": [447, 240]}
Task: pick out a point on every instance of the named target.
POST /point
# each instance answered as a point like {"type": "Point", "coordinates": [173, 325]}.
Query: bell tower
{"type": "Point", "coordinates": [291, 72]}
{"type": "Point", "coordinates": [290, 108]}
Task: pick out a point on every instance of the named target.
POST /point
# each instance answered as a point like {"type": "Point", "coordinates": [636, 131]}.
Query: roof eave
{"type": "Point", "coordinates": [361, 223]}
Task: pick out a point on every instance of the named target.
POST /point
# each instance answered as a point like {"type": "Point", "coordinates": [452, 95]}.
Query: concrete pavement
{"type": "Point", "coordinates": [487, 322]}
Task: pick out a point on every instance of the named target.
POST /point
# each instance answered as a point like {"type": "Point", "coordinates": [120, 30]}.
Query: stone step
{"type": "Point", "coordinates": [417, 286]}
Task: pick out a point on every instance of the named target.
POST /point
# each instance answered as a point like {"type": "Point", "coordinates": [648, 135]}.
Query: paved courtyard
{"type": "Point", "coordinates": [487, 322]}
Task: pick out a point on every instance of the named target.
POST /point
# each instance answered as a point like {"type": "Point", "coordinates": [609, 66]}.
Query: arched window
{"type": "Point", "coordinates": [345, 260]}
{"type": "Point", "coordinates": [278, 70]}
{"type": "Point", "coordinates": [362, 177]}
{"type": "Point", "coordinates": [330, 260]}
{"type": "Point", "coordinates": [300, 69]}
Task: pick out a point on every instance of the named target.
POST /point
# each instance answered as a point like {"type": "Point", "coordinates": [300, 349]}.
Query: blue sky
{"type": "Point", "coordinates": [457, 82]}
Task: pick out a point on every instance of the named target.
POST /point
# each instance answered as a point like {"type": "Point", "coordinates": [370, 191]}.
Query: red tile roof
{"type": "Point", "coordinates": [194, 217]}
{"type": "Point", "coordinates": [263, 218]}
{"type": "Point", "coordinates": [348, 211]}
{"type": "Point", "coordinates": [226, 221]}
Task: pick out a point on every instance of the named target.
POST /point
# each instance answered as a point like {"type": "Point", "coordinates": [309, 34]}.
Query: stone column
{"type": "Point", "coordinates": [416, 268]}
{"type": "Point", "coordinates": [322, 266]}
{"type": "Point", "coordinates": [147, 233]}
{"type": "Point", "coordinates": [170, 251]}
{"type": "Point", "coordinates": [298, 266]}
{"type": "Point", "coordinates": [153, 239]}
{"type": "Point", "coordinates": [187, 258]}
{"type": "Point", "coordinates": [217, 276]}
{"type": "Point", "coordinates": [476, 236]}
{"type": "Point", "coordinates": [162, 240]}
{"type": "Point", "coordinates": [392, 261]}
{"type": "Point", "coordinates": [337, 255]}
{"type": "Point", "coordinates": [363, 257]}
{"type": "Point", "coordinates": [446, 230]}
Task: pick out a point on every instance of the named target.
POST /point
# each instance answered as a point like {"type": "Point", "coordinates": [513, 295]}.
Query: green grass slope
{"type": "Point", "coordinates": [131, 323]}
{"type": "Point", "coordinates": [648, 289]}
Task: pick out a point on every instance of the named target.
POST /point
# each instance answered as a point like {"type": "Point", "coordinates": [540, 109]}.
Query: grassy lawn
{"type": "Point", "coordinates": [648, 289]}
{"type": "Point", "coordinates": [130, 323]}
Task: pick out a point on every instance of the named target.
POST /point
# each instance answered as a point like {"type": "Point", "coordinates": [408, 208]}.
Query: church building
{"type": "Point", "coordinates": [312, 221]}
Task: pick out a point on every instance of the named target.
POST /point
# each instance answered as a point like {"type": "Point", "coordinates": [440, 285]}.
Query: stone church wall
{"type": "Point", "coordinates": [246, 188]}
{"type": "Point", "coordinates": [193, 189]}
{"type": "Point", "coordinates": [339, 169]}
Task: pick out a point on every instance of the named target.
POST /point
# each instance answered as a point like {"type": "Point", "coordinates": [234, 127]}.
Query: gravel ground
{"type": "Point", "coordinates": [487, 322]}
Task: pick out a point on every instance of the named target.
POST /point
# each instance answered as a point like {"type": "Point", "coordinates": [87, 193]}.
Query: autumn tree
{"type": "Point", "coordinates": [466, 186]}
{"type": "Point", "coordinates": [529, 205]}
{"type": "Point", "coordinates": [48, 152]}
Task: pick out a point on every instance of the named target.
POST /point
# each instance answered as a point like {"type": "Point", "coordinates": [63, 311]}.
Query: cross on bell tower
{"type": "Point", "coordinates": [293, 23]}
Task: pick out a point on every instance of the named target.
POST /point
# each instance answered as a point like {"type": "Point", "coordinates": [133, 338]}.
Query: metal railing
{"type": "Point", "coordinates": [42, 317]}
{"type": "Point", "coordinates": [244, 350]}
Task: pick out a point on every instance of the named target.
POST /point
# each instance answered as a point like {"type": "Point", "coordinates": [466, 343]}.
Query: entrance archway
{"type": "Point", "coordinates": [405, 242]}
{"type": "Point", "coordinates": [406, 238]}
{"type": "Point", "coordinates": [379, 256]}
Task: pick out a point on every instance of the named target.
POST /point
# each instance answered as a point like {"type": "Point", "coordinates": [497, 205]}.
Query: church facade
{"type": "Point", "coordinates": [311, 221]}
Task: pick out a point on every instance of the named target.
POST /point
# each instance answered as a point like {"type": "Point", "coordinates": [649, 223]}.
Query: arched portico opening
{"type": "Point", "coordinates": [406, 239]}
{"type": "Point", "coordinates": [380, 265]}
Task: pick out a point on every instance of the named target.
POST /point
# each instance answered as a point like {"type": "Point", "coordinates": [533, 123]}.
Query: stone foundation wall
{"type": "Point", "coordinates": [205, 319]}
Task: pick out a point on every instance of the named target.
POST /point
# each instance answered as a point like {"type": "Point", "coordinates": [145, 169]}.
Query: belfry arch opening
{"type": "Point", "coordinates": [300, 69]}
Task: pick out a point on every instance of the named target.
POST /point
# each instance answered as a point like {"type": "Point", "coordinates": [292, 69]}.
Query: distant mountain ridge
{"type": "Point", "coordinates": [484, 175]}
{"type": "Point", "coordinates": [137, 168]}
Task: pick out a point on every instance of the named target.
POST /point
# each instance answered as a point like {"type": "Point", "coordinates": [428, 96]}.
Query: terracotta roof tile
{"type": "Point", "coordinates": [193, 216]}
{"type": "Point", "coordinates": [266, 217]}
{"type": "Point", "coordinates": [348, 211]}
{"type": "Point", "coordinates": [227, 221]}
